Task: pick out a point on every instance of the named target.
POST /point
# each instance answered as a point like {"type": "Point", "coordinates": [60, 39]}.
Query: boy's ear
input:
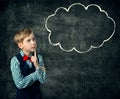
{"type": "Point", "coordinates": [20, 45]}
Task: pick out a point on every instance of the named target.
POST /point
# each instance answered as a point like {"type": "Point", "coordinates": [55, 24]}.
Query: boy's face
{"type": "Point", "coordinates": [29, 44]}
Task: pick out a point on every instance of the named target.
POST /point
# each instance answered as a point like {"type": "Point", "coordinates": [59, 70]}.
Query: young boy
{"type": "Point", "coordinates": [27, 67]}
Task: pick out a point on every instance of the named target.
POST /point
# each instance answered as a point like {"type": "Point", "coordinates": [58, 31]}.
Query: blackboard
{"type": "Point", "coordinates": [71, 74]}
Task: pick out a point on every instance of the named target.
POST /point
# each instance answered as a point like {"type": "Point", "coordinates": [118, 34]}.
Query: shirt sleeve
{"type": "Point", "coordinates": [41, 74]}
{"type": "Point", "coordinates": [19, 80]}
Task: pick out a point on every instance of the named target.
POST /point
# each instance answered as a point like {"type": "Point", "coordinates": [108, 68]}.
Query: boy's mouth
{"type": "Point", "coordinates": [34, 47]}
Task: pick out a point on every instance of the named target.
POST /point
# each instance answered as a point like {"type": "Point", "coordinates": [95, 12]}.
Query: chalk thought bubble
{"type": "Point", "coordinates": [79, 28]}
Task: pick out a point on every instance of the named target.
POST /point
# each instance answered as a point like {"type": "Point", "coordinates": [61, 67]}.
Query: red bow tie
{"type": "Point", "coordinates": [25, 58]}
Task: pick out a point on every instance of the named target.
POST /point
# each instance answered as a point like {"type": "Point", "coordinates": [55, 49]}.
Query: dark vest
{"type": "Point", "coordinates": [30, 90]}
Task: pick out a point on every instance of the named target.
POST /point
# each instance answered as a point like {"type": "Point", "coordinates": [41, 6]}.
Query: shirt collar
{"type": "Point", "coordinates": [22, 53]}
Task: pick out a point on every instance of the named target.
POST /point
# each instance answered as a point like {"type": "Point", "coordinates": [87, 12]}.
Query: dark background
{"type": "Point", "coordinates": [93, 75]}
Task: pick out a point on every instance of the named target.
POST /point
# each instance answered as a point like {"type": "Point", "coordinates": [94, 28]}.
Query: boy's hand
{"type": "Point", "coordinates": [35, 60]}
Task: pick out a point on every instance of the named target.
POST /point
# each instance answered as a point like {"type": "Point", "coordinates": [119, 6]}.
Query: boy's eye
{"type": "Point", "coordinates": [33, 39]}
{"type": "Point", "coordinates": [28, 40]}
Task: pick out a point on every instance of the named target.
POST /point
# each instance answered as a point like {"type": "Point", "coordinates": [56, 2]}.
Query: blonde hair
{"type": "Point", "coordinates": [20, 35]}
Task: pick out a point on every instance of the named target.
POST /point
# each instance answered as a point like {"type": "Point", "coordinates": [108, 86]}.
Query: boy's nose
{"type": "Point", "coordinates": [33, 42]}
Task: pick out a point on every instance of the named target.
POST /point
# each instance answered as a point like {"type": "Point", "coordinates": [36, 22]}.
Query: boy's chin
{"type": "Point", "coordinates": [32, 50]}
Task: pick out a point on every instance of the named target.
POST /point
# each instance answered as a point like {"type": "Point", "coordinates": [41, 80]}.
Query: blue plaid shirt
{"type": "Point", "coordinates": [23, 82]}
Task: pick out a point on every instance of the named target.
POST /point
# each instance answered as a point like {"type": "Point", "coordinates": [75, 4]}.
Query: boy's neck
{"type": "Point", "coordinates": [26, 52]}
